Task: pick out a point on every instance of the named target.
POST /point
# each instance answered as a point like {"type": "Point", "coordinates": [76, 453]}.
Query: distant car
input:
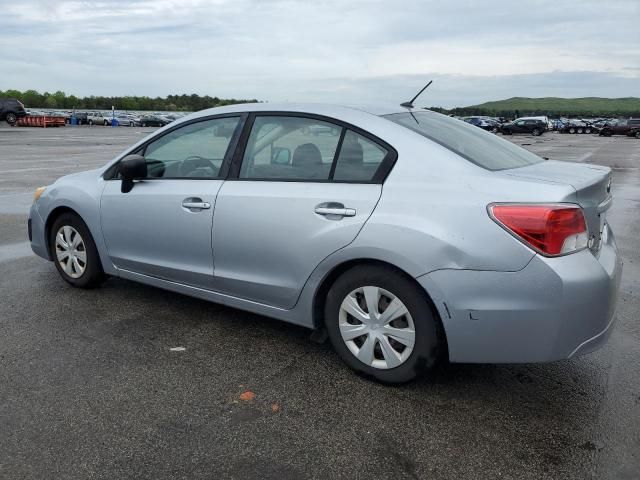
{"type": "Point", "coordinates": [578, 126]}
{"type": "Point", "coordinates": [406, 238]}
{"type": "Point", "coordinates": [153, 121]}
{"type": "Point", "coordinates": [127, 121]}
{"type": "Point", "coordinates": [484, 123]}
{"type": "Point", "coordinates": [521, 125]}
{"type": "Point", "coordinates": [82, 118]}
{"type": "Point", "coordinates": [630, 128]}
{"type": "Point", "coordinates": [11, 110]}
{"type": "Point", "coordinates": [98, 118]}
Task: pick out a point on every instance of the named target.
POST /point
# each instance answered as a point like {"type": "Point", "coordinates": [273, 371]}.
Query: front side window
{"type": "Point", "coordinates": [290, 148]}
{"type": "Point", "coordinates": [474, 144]}
{"type": "Point", "coordinates": [196, 150]}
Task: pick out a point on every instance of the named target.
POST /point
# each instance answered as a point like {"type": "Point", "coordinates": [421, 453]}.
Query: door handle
{"type": "Point", "coordinates": [340, 212]}
{"type": "Point", "coordinates": [195, 204]}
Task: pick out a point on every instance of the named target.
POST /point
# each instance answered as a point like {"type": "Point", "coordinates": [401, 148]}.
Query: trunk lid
{"type": "Point", "coordinates": [592, 184]}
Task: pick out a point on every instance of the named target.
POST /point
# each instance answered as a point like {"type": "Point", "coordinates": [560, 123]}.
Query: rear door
{"type": "Point", "coordinates": [301, 189]}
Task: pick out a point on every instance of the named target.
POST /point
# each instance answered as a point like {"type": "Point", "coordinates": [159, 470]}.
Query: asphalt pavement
{"type": "Point", "coordinates": [129, 381]}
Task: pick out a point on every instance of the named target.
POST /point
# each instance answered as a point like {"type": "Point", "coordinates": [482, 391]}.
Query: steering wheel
{"type": "Point", "coordinates": [192, 163]}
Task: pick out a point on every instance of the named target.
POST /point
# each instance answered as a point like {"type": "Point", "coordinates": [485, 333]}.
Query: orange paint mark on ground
{"type": "Point", "coordinates": [247, 396]}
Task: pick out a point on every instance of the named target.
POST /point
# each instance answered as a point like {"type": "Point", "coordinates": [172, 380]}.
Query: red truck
{"type": "Point", "coordinates": [630, 128]}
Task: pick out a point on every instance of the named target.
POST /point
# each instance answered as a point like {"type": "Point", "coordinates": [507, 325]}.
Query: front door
{"type": "Point", "coordinates": [162, 227]}
{"type": "Point", "coordinates": [304, 190]}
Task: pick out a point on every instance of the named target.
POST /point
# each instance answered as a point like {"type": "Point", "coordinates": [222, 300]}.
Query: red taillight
{"type": "Point", "coordinates": [550, 229]}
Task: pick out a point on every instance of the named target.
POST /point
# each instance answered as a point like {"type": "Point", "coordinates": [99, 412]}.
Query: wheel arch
{"type": "Point", "coordinates": [320, 296]}
{"type": "Point", "coordinates": [51, 218]}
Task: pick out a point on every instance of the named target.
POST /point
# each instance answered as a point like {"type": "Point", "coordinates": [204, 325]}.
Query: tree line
{"type": "Point", "coordinates": [60, 100]}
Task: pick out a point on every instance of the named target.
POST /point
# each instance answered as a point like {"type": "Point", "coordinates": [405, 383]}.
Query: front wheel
{"type": "Point", "coordinates": [74, 252]}
{"type": "Point", "coordinates": [382, 324]}
{"type": "Point", "coordinates": [11, 118]}
{"type": "Point", "coordinates": [536, 132]}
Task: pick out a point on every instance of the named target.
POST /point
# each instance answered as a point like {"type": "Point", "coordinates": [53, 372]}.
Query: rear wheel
{"type": "Point", "coordinates": [74, 252]}
{"type": "Point", "coordinates": [587, 130]}
{"type": "Point", "coordinates": [382, 324]}
{"type": "Point", "coordinates": [536, 132]}
{"type": "Point", "coordinates": [579, 130]}
{"type": "Point", "coordinates": [572, 130]}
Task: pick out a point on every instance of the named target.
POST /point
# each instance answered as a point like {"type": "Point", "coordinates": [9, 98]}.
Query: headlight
{"type": "Point", "coordinates": [38, 192]}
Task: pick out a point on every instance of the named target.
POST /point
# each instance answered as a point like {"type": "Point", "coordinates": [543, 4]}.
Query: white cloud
{"type": "Point", "coordinates": [331, 50]}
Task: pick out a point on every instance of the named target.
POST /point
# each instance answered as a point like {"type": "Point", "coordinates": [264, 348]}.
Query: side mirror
{"type": "Point", "coordinates": [131, 167]}
{"type": "Point", "coordinates": [280, 156]}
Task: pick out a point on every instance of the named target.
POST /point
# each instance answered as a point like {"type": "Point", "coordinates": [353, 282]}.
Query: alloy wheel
{"type": "Point", "coordinates": [71, 252]}
{"type": "Point", "coordinates": [377, 327]}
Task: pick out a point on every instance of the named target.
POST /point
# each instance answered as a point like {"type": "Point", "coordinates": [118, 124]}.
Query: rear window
{"type": "Point", "coordinates": [474, 144]}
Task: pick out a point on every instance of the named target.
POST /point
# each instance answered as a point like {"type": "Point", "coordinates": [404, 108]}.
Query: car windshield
{"type": "Point", "coordinates": [474, 144]}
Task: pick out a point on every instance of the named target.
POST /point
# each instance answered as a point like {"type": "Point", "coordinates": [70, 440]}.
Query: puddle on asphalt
{"type": "Point", "coordinates": [14, 251]}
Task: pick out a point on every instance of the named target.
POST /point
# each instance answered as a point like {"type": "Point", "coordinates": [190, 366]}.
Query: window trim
{"type": "Point", "coordinates": [380, 176]}
{"type": "Point", "coordinates": [111, 172]}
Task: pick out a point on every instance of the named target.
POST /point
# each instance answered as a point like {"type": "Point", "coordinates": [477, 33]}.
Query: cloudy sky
{"type": "Point", "coordinates": [337, 51]}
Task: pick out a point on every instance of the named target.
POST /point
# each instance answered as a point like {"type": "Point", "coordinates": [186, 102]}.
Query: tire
{"type": "Point", "coordinates": [144, 124]}
{"type": "Point", "coordinates": [637, 135]}
{"type": "Point", "coordinates": [494, 130]}
{"type": "Point", "coordinates": [506, 132]}
{"type": "Point", "coordinates": [131, 124]}
{"type": "Point", "coordinates": [69, 225]}
{"type": "Point", "coordinates": [106, 123]}
{"type": "Point", "coordinates": [90, 122]}
{"type": "Point", "coordinates": [401, 365]}
{"type": "Point", "coordinates": [587, 131]}
{"type": "Point", "coordinates": [572, 130]}
{"type": "Point", "coordinates": [536, 133]}
{"type": "Point", "coordinates": [579, 130]}
{"type": "Point", "coordinates": [11, 118]}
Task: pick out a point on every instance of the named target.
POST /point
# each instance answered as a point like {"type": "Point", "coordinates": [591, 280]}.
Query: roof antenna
{"type": "Point", "coordinates": [409, 104]}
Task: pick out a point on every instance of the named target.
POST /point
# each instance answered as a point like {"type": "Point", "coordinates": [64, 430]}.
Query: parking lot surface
{"type": "Point", "coordinates": [129, 381]}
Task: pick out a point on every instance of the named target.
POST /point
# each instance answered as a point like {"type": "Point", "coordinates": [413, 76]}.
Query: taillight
{"type": "Point", "coordinates": [554, 229]}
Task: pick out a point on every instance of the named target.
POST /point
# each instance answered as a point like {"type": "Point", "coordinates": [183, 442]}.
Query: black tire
{"type": "Point", "coordinates": [536, 132]}
{"type": "Point", "coordinates": [90, 122]}
{"type": "Point", "coordinates": [587, 130]}
{"type": "Point", "coordinates": [572, 130]}
{"type": "Point", "coordinates": [429, 337]}
{"type": "Point", "coordinates": [637, 135]}
{"type": "Point", "coordinates": [131, 124]}
{"type": "Point", "coordinates": [144, 124]}
{"type": "Point", "coordinates": [93, 274]}
{"type": "Point", "coordinates": [11, 118]}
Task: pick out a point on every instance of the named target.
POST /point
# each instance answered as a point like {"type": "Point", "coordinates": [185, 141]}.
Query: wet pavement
{"type": "Point", "coordinates": [91, 388]}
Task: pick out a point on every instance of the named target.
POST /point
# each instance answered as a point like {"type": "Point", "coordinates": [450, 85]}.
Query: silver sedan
{"type": "Point", "coordinates": [405, 236]}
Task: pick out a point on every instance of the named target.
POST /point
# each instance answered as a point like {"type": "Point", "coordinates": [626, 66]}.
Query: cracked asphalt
{"type": "Point", "coordinates": [90, 386]}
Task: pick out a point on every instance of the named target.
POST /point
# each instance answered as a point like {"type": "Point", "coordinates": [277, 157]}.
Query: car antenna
{"type": "Point", "coordinates": [409, 104]}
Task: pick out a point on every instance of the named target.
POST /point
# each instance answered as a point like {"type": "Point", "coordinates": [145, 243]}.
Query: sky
{"type": "Point", "coordinates": [346, 51]}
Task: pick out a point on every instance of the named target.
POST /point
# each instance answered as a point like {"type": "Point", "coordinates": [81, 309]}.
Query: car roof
{"type": "Point", "coordinates": [312, 108]}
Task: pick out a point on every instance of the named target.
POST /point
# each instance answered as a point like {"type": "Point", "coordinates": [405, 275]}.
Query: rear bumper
{"type": "Point", "coordinates": [554, 308]}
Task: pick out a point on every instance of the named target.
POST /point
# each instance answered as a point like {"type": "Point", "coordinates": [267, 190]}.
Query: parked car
{"type": "Point", "coordinates": [484, 123]}
{"type": "Point", "coordinates": [630, 127]}
{"type": "Point", "coordinates": [475, 250]}
{"type": "Point", "coordinates": [127, 121]}
{"type": "Point", "coordinates": [578, 126]}
{"type": "Point", "coordinates": [153, 121]}
{"type": "Point", "coordinates": [11, 110]}
{"type": "Point", "coordinates": [521, 125]}
{"type": "Point", "coordinates": [82, 118]}
{"type": "Point", "coordinates": [97, 118]}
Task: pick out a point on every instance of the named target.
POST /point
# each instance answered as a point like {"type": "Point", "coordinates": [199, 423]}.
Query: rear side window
{"type": "Point", "coordinates": [290, 148]}
{"type": "Point", "coordinates": [474, 144]}
{"type": "Point", "coordinates": [359, 159]}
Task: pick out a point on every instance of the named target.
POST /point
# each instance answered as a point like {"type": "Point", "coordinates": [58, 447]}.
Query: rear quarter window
{"type": "Point", "coordinates": [482, 148]}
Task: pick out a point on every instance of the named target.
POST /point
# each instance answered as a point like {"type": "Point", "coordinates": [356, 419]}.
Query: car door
{"type": "Point", "coordinates": [519, 126]}
{"type": "Point", "coordinates": [300, 189]}
{"type": "Point", "coordinates": [162, 227]}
